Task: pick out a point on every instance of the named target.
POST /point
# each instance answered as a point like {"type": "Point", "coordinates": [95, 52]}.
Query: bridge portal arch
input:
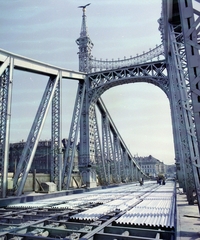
{"type": "Point", "coordinates": [96, 85]}
{"type": "Point", "coordinates": [153, 72]}
{"type": "Point", "coordinates": [179, 31]}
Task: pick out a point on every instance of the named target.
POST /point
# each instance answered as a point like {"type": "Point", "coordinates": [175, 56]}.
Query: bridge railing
{"type": "Point", "coordinates": [99, 65]}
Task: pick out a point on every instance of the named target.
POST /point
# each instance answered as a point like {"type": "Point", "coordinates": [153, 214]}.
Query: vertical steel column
{"type": "Point", "coordinates": [56, 147]}
{"type": "Point", "coordinates": [6, 80]}
{"type": "Point", "coordinates": [179, 130]}
{"type": "Point", "coordinates": [136, 173]}
{"type": "Point", "coordinates": [99, 158]}
{"type": "Point", "coordinates": [117, 156]}
{"type": "Point", "coordinates": [190, 19]}
{"type": "Point", "coordinates": [72, 139]}
{"type": "Point", "coordinates": [132, 170]}
{"type": "Point", "coordinates": [123, 165]}
{"type": "Point", "coordinates": [107, 152]}
{"type": "Point", "coordinates": [128, 167]}
{"type": "Point", "coordinates": [87, 134]}
{"type": "Point", "coordinates": [114, 163]}
{"type": "Point", "coordinates": [176, 110]}
{"type": "Point", "coordinates": [28, 153]}
{"type": "Point", "coordinates": [84, 135]}
{"type": "Point", "coordinates": [189, 140]}
{"type": "Point", "coordinates": [176, 114]}
{"type": "Point", "coordinates": [87, 143]}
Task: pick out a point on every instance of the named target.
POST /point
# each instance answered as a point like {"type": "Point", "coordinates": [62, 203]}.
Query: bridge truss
{"type": "Point", "coordinates": [104, 153]}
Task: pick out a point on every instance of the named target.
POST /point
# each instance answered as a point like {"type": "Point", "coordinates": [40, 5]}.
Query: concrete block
{"type": "Point", "coordinates": [49, 187]}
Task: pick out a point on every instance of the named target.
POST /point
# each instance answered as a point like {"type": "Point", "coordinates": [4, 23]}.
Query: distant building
{"type": "Point", "coordinates": [42, 159]}
{"type": "Point", "coordinates": [151, 166]}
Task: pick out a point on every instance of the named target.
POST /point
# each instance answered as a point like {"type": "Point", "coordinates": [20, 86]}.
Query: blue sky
{"type": "Point", "coordinates": [46, 30]}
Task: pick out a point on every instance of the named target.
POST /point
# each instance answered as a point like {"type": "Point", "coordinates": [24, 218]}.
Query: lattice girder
{"type": "Point", "coordinates": [118, 157]}
{"type": "Point", "coordinates": [56, 148]}
{"type": "Point", "coordinates": [6, 82]}
{"type": "Point", "coordinates": [73, 135]}
{"type": "Point", "coordinates": [99, 157]}
{"type": "Point", "coordinates": [4, 89]}
{"type": "Point", "coordinates": [176, 124]}
{"type": "Point", "coordinates": [121, 155]}
{"type": "Point", "coordinates": [87, 135]}
{"type": "Point", "coordinates": [182, 150]}
{"type": "Point", "coordinates": [108, 148]}
{"type": "Point", "coordinates": [154, 73]}
{"type": "Point", "coordinates": [28, 152]}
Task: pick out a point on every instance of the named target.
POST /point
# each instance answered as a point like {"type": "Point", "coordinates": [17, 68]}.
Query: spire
{"type": "Point", "coordinates": [84, 32]}
{"type": "Point", "coordinates": [85, 45]}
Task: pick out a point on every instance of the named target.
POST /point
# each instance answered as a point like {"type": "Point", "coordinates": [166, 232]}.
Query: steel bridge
{"type": "Point", "coordinates": [173, 66]}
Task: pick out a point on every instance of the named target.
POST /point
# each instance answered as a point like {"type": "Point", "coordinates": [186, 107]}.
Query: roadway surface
{"type": "Point", "coordinates": [123, 212]}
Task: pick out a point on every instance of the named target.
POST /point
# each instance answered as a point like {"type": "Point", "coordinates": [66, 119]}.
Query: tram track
{"type": "Point", "coordinates": [101, 214]}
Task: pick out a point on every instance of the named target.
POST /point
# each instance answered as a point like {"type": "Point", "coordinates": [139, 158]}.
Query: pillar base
{"type": "Point", "coordinates": [89, 177]}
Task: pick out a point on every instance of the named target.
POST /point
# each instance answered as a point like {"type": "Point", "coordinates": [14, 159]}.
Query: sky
{"type": "Point", "coordinates": [46, 30]}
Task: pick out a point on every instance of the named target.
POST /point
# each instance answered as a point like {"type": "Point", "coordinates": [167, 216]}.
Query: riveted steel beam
{"type": "Point", "coordinates": [56, 147]}
{"type": "Point", "coordinates": [73, 135]}
{"type": "Point", "coordinates": [6, 82]}
{"type": "Point", "coordinates": [26, 158]}
{"type": "Point", "coordinates": [31, 65]}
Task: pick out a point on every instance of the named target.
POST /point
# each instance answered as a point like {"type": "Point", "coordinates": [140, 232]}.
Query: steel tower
{"type": "Point", "coordinates": [179, 32]}
{"type": "Point", "coordinates": [85, 45]}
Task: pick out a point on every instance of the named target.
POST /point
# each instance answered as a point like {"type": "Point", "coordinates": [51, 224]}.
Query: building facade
{"type": "Point", "coordinates": [151, 166]}
{"type": "Point", "coordinates": [42, 159]}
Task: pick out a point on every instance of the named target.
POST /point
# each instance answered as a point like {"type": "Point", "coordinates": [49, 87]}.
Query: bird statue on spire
{"type": "Point", "coordinates": [84, 6]}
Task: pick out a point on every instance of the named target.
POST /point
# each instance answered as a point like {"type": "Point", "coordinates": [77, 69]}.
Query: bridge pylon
{"type": "Point", "coordinates": [178, 77]}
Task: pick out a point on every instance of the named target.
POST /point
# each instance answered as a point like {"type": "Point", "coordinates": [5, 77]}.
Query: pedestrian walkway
{"type": "Point", "coordinates": [188, 219]}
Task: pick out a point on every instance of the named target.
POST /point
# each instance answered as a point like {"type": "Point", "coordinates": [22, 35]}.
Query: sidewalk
{"type": "Point", "coordinates": [188, 219]}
